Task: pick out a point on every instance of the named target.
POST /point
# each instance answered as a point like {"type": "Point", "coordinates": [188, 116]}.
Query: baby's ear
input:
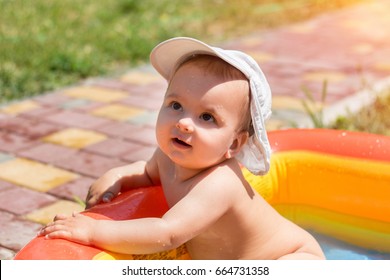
{"type": "Point", "coordinates": [237, 144]}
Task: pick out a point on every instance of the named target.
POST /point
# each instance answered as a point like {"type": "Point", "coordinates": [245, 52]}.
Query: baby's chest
{"type": "Point", "coordinates": [174, 191]}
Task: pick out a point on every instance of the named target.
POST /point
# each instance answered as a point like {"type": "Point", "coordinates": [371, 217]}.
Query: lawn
{"type": "Point", "coordinates": [48, 44]}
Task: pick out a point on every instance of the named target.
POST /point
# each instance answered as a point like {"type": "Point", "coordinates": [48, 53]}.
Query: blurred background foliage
{"type": "Point", "coordinates": [47, 44]}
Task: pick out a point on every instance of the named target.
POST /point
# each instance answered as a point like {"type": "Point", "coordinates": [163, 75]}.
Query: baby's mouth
{"type": "Point", "coordinates": [181, 143]}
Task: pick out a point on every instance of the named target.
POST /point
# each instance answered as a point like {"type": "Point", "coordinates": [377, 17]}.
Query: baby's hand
{"type": "Point", "coordinates": [77, 228]}
{"type": "Point", "coordinates": [103, 189]}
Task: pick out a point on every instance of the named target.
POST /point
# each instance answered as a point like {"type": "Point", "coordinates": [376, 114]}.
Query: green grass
{"type": "Point", "coordinates": [373, 119]}
{"type": "Point", "coordinates": [48, 44]}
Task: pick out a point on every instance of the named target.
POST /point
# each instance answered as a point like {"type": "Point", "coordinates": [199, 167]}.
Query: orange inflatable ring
{"type": "Point", "coordinates": [333, 182]}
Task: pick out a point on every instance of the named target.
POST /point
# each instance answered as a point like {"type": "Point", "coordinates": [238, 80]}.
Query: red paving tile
{"type": "Point", "coordinates": [42, 111]}
{"type": "Point", "coordinates": [16, 233]}
{"type": "Point", "coordinates": [4, 185]}
{"type": "Point", "coordinates": [77, 188]}
{"type": "Point", "coordinates": [142, 102]}
{"type": "Point", "coordinates": [145, 136]}
{"type": "Point", "coordinates": [53, 99]}
{"type": "Point", "coordinates": [31, 128]}
{"type": "Point", "coordinates": [47, 152]}
{"type": "Point", "coordinates": [141, 154]}
{"type": "Point", "coordinates": [89, 164]}
{"type": "Point", "coordinates": [113, 148]}
{"type": "Point", "coordinates": [119, 129]}
{"type": "Point", "coordinates": [76, 119]}
{"type": "Point", "coordinates": [12, 142]}
{"type": "Point", "coordinates": [23, 200]}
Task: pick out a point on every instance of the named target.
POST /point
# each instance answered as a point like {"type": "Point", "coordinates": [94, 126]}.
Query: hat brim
{"type": "Point", "coordinates": [178, 49]}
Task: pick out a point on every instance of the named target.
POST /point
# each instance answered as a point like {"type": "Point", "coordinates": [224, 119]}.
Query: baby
{"type": "Point", "coordinates": [211, 120]}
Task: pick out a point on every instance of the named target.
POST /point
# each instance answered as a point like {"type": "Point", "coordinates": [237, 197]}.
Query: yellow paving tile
{"type": "Point", "coordinates": [303, 28]}
{"type": "Point", "coordinates": [274, 124]}
{"type": "Point", "coordinates": [75, 138]}
{"type": "Point", "coordinates": [46, 214]}
{"type": "Point", "coordinates": [355, 24]}
{"type": "Point", "coordinates": [117, 112]}
{"type": "Point", "coordinates": [287, 102]}
{"type": "Point", "coordinates": [34, 175]}
{"type": "Point", "coordinates": [96, 94]}
{"type": "Point", "coordinates": [320, 76]}
{"type": "Point", "coordinates": [363, 48]}
{"type": "Point", "coordinates": [19, 107]}
{"type": "Point", "coordinates": [261, 57]}
{"type": "Point", "coordinates": [382, 66]}
{"type": "Point", "coordinates": [140, 78]}
{"type": "Point", "coordinates": [251, 41]}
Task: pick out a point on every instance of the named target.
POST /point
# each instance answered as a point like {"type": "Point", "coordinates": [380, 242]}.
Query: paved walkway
{"type": "Point", "coordinates": [54, 146]}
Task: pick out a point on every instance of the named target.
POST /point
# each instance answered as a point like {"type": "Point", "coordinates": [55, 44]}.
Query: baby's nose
{"type": "Point", "coordinates": [185, 125]}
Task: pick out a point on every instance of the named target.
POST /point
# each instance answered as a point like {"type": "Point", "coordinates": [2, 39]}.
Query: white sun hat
{"type": "Point", "coordinates": [255, 154]}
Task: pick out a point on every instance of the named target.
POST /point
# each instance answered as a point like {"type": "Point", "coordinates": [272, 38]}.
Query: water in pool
{"type": "Point", "coordinates": [338, 250]}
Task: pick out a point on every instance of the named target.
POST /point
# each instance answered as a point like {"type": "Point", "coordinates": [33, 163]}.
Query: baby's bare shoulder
{"type": "Point", "coordinates": [225, 177]}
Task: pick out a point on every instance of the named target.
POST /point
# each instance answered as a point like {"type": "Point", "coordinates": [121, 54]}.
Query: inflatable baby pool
{"type": "Point", "coordinates": [334, 183]}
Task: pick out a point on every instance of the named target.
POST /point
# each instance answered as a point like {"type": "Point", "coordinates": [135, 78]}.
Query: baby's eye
{"type": "Point", "coordinates": [207, 117]}
{"type": "Point", "coordinates": [176, 106]}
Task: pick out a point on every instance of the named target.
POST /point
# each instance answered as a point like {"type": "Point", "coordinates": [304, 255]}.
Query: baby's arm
{"type": "Point", "coordinates": [193, 214]}
{"type": "Point", "coordinates": [120, 179]}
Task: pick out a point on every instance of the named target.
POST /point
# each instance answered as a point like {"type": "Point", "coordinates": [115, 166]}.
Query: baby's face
{"type": "Point", "coordinates": [199, 120]}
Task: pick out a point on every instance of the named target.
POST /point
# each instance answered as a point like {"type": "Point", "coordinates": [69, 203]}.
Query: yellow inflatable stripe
{"type": "Point", "coordinates": [179, 253]}
{"type": "Point", "coordinates": [346, 185]}
{"type": "Point", "coordinates": [361, 232]}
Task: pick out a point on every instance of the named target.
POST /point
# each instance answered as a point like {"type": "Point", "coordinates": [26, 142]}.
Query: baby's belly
{"type": "Point", "coordinates": [224, 247]}
{"type": "Point", "coordinates": [200, 248]}
{"type": "Point", "coordinates": [265, 245]}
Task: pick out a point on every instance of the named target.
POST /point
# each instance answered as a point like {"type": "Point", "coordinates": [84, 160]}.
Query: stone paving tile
{"type": "Point", "coordinates": [11, 143]}
{"type": "Point", "coordinates": [113, 147]}
{"type": "Point", "coordinates": [76, 103]}
{"type": "Point", "coordinates": [89, 164]}
{"type": "Point", "coordinates": [46, 214]}
{"type": "Point", "coordinates": [111, 83]}
{"type": "Point", "coordinates": [34, 175]}
{"type": "Point", "coordinates": [24, 200]}
{"type": "Point", "coordinates": [75, 138]}
{"type": "Point", "coordinates": [16, 233]}
{"type": "Point", "coordinates": [150, 91]}
{"type": "Point", "coordinates": [6, 254]}
{"type": "Point", "coordinates": [143, 102]}
{"type": "Point", "coordinates": [145, 135]}
{"type": "Point", "coordinates": [287, 102]}
{"type": "Point", "coordinates": [76, 119]}
{"type": "Point", "coordinates": [5, 157]}
{"type": "Point", "coordinates": [4, 116]}
{"type": "Point", "coordinates": [47, 152]}
{"type": "Point", "coordinates": [31, 128]}
{"type": "Point", "coordinates": [95, 94]}
{"type": "Point", "coordinates": [117, 112]}
{"type": "Point", "coordinates": [53, 99]}
{"type": "Point", "coordinates": [139, 78]}
{"type": "Point", "coordinates": [4, 185]}
{"type": "Point", "coordinates": [144, 153]}
{"type": "Point", "coordinates": [77, 188]}
{"type": "Point", "coordinates": [42, 111]}
{"type": "Point", "coordinates": [19, 107]}
{"type": "Point", "coordinates": [146, 119]}
{"type": "Point", "coordinates": [119, 129]}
